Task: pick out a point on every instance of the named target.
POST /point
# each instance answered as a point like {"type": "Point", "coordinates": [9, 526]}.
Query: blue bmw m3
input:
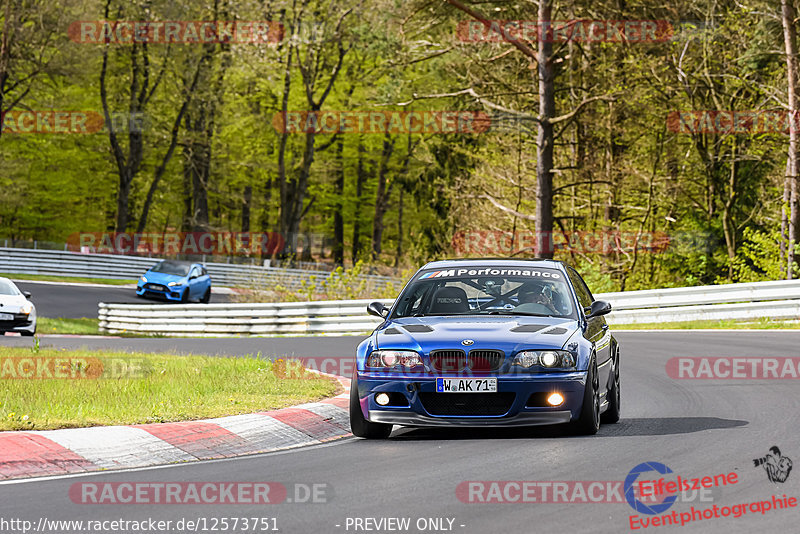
{"type": "Point", "coordinates": [483, 343]}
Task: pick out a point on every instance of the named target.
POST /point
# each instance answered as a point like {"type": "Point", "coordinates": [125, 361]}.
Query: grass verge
{"type": "Point", "coordinates": [761, 324]}
{"type": "Point", "coordinates": [74, 279]}
{"type": "Point", "coordinates": [83, 326]}
{"type": "Point", "coordinates": [142, 388]}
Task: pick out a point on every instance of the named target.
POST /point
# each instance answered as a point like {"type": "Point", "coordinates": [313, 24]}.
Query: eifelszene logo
{"type": "Point", "coordinates": [630, 485]}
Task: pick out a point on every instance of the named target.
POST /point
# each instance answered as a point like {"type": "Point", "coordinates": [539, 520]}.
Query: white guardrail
{"type": "Point", "coordinates": [775, 300]}
{"type": "Point", "coordinates": [59, 263]}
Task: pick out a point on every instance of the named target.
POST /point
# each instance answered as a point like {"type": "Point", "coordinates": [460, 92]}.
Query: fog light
{"type": "Point", "coordinates": [555, 399]}
{"type": "Point", "coordinates": [382, 399]}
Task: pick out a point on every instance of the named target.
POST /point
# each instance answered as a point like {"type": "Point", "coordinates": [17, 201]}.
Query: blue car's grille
{"type": "Point", "coordinates": [155, 287]}
{"type": "Point", "coordinates": [485, 360]}
{"type": "Point", "coordinates": [448, 361]}
{"type": "Point", "coordinates": [467, 403]}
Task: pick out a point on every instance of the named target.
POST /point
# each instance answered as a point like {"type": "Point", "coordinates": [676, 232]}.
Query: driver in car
{"type": "Point", "coordinates": [536, 294]}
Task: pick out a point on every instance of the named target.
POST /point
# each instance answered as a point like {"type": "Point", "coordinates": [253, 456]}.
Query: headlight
{"type": "Point", "coordinates": [397, 359]}
{"type": "Point", "coordinates": [26, 308]}
{"type": "Point", "coordinates": [173, 284]}
{"type": "Point", "coordinates": [548, 359]}
{"type": "Point", "coordinates": [143, 279]}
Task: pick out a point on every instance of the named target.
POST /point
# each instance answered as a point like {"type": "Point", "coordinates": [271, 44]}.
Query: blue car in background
{"type": "Point", "coordinates": [485, 343]}
{"type": "Point", "coordinates": [176, 281]}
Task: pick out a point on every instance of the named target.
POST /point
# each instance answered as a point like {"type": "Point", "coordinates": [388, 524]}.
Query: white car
{"type": "Point", "coordinates": [17, 312]}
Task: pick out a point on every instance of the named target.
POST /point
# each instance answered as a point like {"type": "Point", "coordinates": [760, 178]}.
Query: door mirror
{"type": "Point", "coordinates": [27, 294]}
{"type": "Point", "coordinates": [377, 309]}
{"type": "Point", "coordinates": [598, 308]}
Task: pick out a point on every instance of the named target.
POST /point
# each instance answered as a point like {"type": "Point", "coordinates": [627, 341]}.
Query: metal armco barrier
{"type": "Point", "coordinates": [59, 263]}
{"type": "Point", "coordinates": [776, 300]}
{"type": "Point", "coordinates": [324, 317]}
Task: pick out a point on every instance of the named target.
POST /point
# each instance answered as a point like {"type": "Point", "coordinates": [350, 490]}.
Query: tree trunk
{"type": "Point", "coordinates": [361, 178]}
{"type": "Point", "coordinates": [785, 218]}
{"type": "Point", "coordinates": [544, 138]}
{"type": "Point", "coordinates": [399, 253]}
{"type": "Point", "coordinates": [338, 216]}
{"type": "Point", "coordinates": [728, 226]}
{"type": "Point", "coordinates": [381, 197]}
{"type": "Point", "coordinates": [246, 201]}
{"type": "Point", "coordinates": [790, 45]}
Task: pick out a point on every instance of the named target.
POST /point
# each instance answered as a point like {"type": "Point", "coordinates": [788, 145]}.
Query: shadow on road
{"type": "Point", "coordinates": [652, 426]}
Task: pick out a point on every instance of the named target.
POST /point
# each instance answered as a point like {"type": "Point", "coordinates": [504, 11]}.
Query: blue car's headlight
{"type": "Point", "coordinates": [547, 359]}
{"type": "Point", "coordinates": [173, 284]}
{"type": "Point", "coordinates": [143, 279]}
{"type": "Point", "coordinates": [394, 359]}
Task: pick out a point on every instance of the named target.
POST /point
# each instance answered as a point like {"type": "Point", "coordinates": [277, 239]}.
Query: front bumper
{"type": "Point", "coordinates": [168, 293]}
{"type": "Point", "coordinates": [20, 323]}
{"type": "Point", "coordinates": [416, 391]}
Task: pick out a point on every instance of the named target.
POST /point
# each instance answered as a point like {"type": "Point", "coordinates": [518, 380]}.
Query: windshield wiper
{"type": "Point", "coordinates": [512, 312]}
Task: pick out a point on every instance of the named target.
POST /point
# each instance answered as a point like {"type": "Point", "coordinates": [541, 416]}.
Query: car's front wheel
{"type": "Point", "coordinates": [206, 296]}
{"type": "Point", "coordinates": [360, 427]}
{"type": "Point", "coordinates": [28, 333]}
{"type": "Point", "coordinates": [185, 296]}
{"type": "Point", "coordinates": [589, 421]}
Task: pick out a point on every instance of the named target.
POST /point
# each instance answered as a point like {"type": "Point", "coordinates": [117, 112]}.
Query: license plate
{"type": "Point", "coordinates": [466, 385]}
{"type": "Point", "coordinates": [6, 317]}
{"type": "Point", "coordinates": [157, 287]}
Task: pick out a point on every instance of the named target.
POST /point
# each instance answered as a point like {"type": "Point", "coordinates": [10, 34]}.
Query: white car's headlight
{"type": "Point", "coordinates": [548, 359]}
{"type": "Point", "coordinates": [26, 308]}
{"type": "Point", "coordinates": [394, 359]}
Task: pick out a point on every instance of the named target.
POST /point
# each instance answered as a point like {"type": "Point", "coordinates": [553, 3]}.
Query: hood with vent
{"type": "Point", "coordinates": [507, 333]}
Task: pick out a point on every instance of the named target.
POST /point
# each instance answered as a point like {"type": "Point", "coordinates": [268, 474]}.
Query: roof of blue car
{"type": "Point", "coordinates": [483, 262]}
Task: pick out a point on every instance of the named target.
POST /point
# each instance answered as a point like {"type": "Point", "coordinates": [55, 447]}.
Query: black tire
{"type": "Point", "coordinates": [185, 296]}
{"type": "Point", "coordinates": [611, 415]}
{"type": "Point", "coordinates": [589, 421]}
{"type": "Point", "coordinates": [360, 427]}
{"type": "Point", "coordinates": [206, 296]}
{"type": "Point", "coordinates": [27, 334]}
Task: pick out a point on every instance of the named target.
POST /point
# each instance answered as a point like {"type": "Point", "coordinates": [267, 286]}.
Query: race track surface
{"type": "Point", "coordinates": [696, 427]}
{"type": "Point", "coordinates": [76, 301]}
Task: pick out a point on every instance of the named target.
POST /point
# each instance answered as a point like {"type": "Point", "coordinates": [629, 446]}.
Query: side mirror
{"type": "Point", "coordinates": [377, 309]}
{"type": "Point", "coordinates": [27, 294]}
{"type": "Point", "coordinates": [598, 308]}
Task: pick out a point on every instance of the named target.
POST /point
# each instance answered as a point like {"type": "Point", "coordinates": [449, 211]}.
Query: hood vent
{"type": "Point", "coordinates": [392, 331]}
{"type": "Point", "coordinates": [529, 328]}
{"type": "Point", "coordinates": [556, 331]}
{"type": "Point", "coordinates": [418, 328]}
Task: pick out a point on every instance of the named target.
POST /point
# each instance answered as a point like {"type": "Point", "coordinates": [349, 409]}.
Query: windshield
{"type": "Point", "coordinates": [514, 291]}
{"type": "Point", "coordinates": [8, 288]}
{"type": "Point", "coordinates": [172, 267]}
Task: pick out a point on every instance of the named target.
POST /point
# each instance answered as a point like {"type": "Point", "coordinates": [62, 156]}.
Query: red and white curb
{"type": "Point", "coordinates": [76, 450]}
